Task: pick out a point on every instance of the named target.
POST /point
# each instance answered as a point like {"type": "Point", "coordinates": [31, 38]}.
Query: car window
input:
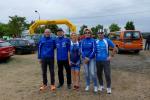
{"type": "Point", "coordinates": [127, 35]}
{"type": "Point", "coordinates": [4, 44]}
{"type": "Point", "coordinates": [136, 35]}
{"type": "Point", "coordinates": [22, 42]}
{"type": "Point", "coordinates": [114, 36]}
{"type": "Point", "coordinates": [28, 37]}
{"type": "Point", "coordinates": [12, 42]}
{"type": "Point", "coordinates": [118, 33]}
{"type": "Point", "coordinates": [31, 41]}
{"type": "Point", "coordinates": [132, 35]}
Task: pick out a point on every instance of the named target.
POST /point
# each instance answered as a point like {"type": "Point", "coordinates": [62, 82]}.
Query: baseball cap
{"type": "Point", "coordinates": [59, 29]}
{"type": "Point", "coordinates": [100, 32]}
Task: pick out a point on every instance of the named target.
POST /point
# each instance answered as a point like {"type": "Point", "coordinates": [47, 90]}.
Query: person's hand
{"type": "Point", "coordinates": [86, 60]}
{"type": "Point", "coordinates": [40, 61]}
{"type": "Point", "coordinates": [69, 63]}
{"type": "Point", "coordinates": [109, 58]}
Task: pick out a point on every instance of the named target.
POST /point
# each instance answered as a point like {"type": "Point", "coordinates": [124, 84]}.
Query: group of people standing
{"type": "Point", "coordinates": [93, 54]}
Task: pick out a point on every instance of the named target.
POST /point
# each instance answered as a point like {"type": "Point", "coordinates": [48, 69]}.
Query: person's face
{"type": "Point", "coordinates": [87, 34]}
{"type": "Point", "coordinates": [101, 35]}
{"type": "Point", "coordinates": [60, 33]}
{"type": "Point", "coordinates": [47, 33]}
{"type": "Point", "coordinates": [74, 37]}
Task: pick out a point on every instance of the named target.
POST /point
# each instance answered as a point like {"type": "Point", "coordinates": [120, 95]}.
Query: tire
{"type": "Point", "coordinates": [19, 52]}
{"type": "Point", "coordinates": [137, 51]}
{"type": "Point", "coordinates": [118, 50]}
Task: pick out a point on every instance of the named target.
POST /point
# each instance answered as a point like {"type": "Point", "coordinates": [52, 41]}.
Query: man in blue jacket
{"type": "Point", "coordinates": [63, 47]}
{"type": "Point", "coordinates": [88, 57]}
{"type": "Point", "coordinates": [46, 58]}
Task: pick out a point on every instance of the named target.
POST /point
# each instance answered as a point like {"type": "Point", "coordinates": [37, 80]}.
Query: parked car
{"type": "Point", "coordinates": [36, 38]}
{"type": "Point", "coordinates": [6, 50]}
{"type": "Point", "coordinates": [129, 40]}
{"type": "Point", "coordinates": [23, 45]}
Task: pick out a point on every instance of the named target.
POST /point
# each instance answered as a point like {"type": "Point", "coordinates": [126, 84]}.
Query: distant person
{"type": "Point", "coordinates": [147, 43]}
{"type": "Point", "coordinates": [46, 58]}
{"type": "Point", "coordinates": [103, 60]}
{"type": "Point", "coordinates": [88, 57]}
{"type": "Point", "coordinates": [63, 47]}
{"type": "Point", "coordinates": [75, 60]}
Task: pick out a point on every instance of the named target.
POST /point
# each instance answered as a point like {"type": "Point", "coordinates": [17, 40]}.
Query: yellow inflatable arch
{"type": "Point", "coordinates": [48, 22]}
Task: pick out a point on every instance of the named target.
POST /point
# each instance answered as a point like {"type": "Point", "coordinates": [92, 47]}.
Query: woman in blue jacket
{"type": "Point", "coordinates": [88, 58]}
{"type": "Point", "coordinates": [75, 60]}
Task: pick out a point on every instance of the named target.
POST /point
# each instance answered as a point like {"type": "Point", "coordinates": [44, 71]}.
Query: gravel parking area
{"type": "Point", "coordinates": [20, 78]}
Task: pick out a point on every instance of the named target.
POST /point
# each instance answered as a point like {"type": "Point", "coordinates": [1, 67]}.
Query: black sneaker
{"type": "Point", "coordinates": [69, 86]}
{"type": "Point", "coordinates": [59, 86]}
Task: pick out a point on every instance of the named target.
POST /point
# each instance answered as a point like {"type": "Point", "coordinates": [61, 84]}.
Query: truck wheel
{"type": "Point", "coordinates": [118, 50]}
{"type": "Point", "coordinates": [137, 51]}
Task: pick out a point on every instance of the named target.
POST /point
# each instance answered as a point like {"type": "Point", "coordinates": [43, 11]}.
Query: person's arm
{"type": "Point", "coordinates": [94, 49]}
{"type": "Point", "coordinates": [54, 43]}
{"type": "Point", "coordinates": [111, 44]}
{"type": "Point", "coordinates": [81, 49]}
{"type": "Point", "coordinates": [39, 51]}
{"type": "Point", "coordinates": [68, 47]}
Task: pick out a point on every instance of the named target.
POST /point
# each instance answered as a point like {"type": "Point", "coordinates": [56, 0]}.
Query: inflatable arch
{"type": "Point", "coordinates": [48, 22]}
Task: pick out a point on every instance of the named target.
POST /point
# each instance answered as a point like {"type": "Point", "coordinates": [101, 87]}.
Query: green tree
{"type": "Point", "coordinates": [4, 30]}
{"type": "Point", "coordinates": [52, 27]}
{"type": "Point", "coordinates": [99, 27]}
{"type": "Point", "coordinates": [17, 25]}
{"type": "Point", "coordinates": [114, 27]}
{"type": "Point", "coordinates": [129, 26]}
{"type": "Point", "coordinates": [40, 29]}
{"type": "Point", "coordinates": [106, 31]}
{"type": "Point", "coordinates": [81, 29]}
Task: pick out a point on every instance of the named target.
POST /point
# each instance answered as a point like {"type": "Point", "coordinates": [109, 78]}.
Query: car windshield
{"type": "Point", "coordinates": [132, 35]}
{"type": "Point", "coordinates": [13, 42]}
{"type": "Point", "coordinates": [4, 44]}
{"type": "Point", "coordinates": [31, 41]}
{"type": "Point", "coordinates": [36, 37]}
{"type": "Point", "coordinates": [22, 42]}
{"type": "Point", "coordinates": [114, 36]}
{"type": "Point", "coordinates": [28, 37]}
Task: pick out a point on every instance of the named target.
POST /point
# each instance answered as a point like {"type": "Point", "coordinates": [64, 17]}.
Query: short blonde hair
{"type": "Point", "coordinates": [74, 33]}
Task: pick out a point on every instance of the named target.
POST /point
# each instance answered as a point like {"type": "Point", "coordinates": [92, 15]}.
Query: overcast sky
{"type": "Point", "coordinates": [89, 12]}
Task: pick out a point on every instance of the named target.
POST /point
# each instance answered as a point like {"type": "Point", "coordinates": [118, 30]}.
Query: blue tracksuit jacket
{"type": "Point", "coordinates": [63, 47]}
{"type": "Point", "coordinates": [46, 48]}
{"type": "Point", "coordinates": [88, 48]}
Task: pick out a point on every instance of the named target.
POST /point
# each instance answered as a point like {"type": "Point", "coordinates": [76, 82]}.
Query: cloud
{"type": "Point", "coordinates": [90, 12]}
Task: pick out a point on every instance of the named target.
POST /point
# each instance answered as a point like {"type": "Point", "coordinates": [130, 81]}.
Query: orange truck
{"type": "Point", "coordinates": [128, 40]}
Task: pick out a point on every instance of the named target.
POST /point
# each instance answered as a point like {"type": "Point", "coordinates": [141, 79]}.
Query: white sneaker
{"type": "Point", "coordinates": [101, 88]}
{"type": "Point", "coordinates": [109, 90]}
{"type": "Point", "coordinates": [95, 89]}
{"type": "Point", "coordinates": [87, 88]}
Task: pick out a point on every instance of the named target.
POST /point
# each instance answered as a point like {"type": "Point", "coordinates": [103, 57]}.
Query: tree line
{"type": "Point", "coordinates": [17, 24]}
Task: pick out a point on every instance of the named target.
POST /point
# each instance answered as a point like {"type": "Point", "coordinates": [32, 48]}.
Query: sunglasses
{"type": "Point", "coordinates": [100, 33]}
{"type": "Point", "coordinates": [87, 32]}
